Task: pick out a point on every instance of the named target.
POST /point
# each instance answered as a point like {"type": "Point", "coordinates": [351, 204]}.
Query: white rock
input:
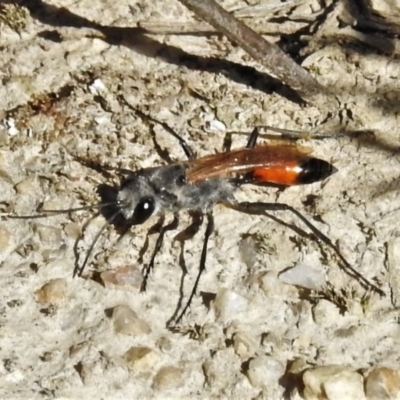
{"type": "Point", "coordinates": [12, 130]}
{"type": "Point", "coordinates": [97, 87]}
{"type": "Point", "coordinates": [325, 313]}
{"type": "Point", "coordinates": [168, 377]}
{"type": "Point", "coordinates": [228, 304]}
{"type": "Point", "coordinates": [265, 372]}
{"type": "Point", "coordinates": [73, 318]}
{"type": "Point", "coordinates": [127, 322]}
{"type": "Point", "coordinates": [305, 276]}
{"type": "Point", "coordinates": [216, 126]}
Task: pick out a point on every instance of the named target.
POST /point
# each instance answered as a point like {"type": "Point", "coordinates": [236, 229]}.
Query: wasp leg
{"type": "Point", "coordinates": [170, 227]}
{"type": "Point", "coordinates": [253, 138]}
{"type": "Point", "coordinates": [207, 234]}
{"type": "Point", "coordinates": [259, 208]}
{"type": "Point", "coordinates": [285, 134]}
{"type": "Point", "coordinates": [289, 134]}
{"type": "Point", "coordinates": [311, 133]}
{"type": "Point", "coordinates": [251, 142]}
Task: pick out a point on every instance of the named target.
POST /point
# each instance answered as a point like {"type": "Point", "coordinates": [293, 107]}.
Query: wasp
{"type": "Point", "coordinates": [198, 184]}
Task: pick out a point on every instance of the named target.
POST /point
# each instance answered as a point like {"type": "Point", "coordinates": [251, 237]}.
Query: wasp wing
{"type": "Point", "coordinates": [263, 163]}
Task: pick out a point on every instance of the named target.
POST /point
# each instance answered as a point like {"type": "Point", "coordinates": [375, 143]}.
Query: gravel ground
{"type": "Point", "coordinates": [72, 74]}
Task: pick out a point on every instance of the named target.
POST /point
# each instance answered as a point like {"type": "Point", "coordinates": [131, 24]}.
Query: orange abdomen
{"type": "Point", "coordinates": [294, 172]}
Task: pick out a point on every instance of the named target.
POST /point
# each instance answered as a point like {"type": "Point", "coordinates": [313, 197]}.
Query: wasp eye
{"type": "Point", "coordinates": [181, 180]}
{"type": "Point", "coordinates": [143, 210]}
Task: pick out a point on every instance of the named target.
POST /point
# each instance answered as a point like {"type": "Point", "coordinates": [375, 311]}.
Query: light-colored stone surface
{"type": "Point", "coordinates": [382, 383]}
{"type": "Point", "coordinates": [127, 322]}
{"type": "Point", "coordinates": [333, 382]}
{"type": "Point", "coordinates": [64, 69]}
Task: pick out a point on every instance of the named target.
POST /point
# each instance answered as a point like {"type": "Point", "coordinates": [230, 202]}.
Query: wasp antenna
{"type": "Point", "coordinates": [79, 270]}
{"type": "Point", "coordinates": [45, 213]}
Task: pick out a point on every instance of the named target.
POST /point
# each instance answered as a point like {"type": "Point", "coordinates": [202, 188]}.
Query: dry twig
{"type": "Point", "coordinates": [272, 57]}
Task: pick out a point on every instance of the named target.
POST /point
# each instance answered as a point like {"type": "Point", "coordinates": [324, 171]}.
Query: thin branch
{"type": "Point", "coordinates": [202, 28]}
{"type": "Point", "coordinates": [272, 57]}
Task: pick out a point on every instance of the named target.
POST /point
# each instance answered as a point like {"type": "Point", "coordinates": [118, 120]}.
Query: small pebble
{"type": "Point", "coordinates": [333, 382]}
{"type": "Point", "coordinates": [325, 313]}
{"type": "Point", "coordinates": [140, 359]}
{"type": "Point", "coordinates": [122, 278]}
{"type": "Point", "coordinates": [53, 292]}
{"type": "Point", "coordinates": [215, 126]}
{"type": "Point", "coordinates": [73, 318]}
{"type": "Point", "coordinates": [222, 369]}
{"type": "Point", "coordinates": [73, 230]}
{"type": "Point", "coordinates": [48, 234]}
{"type": "Point", "coordinates": [304, 276]}
{"type": "Point", "coordinates": [265, 372]}
{"type": "Point", "coordinates": [12, 130]}
{"type": "Point", "coordinates": [229, 303]}
{"type": "Point", "coordinates": [27, 186]}
{"type": "Point", "coordinates": [168, 378]}
{"type": "Point", "coordinates": [127, 322]}
{"type": "Point", "coordinates": [272, 285]}
{"type": "Point", "coordinates": [245, 345]}
{"type": "Point", "coordinates": [164, 344]}
{"type": "Point", "coordinates": [382, 383]}
{"type": "Point", "coordinates": [196, 122]}
{"type": "Point", "coordinates": [97, 87]}
{"type": "Point", "coordinates": [248, 251]}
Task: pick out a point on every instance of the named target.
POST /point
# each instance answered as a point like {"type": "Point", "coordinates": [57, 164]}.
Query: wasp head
{"type": "Point", "coordinates": [136, 200]}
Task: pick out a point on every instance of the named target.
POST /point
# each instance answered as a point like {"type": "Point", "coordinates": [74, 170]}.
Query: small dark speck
{"type": "Point", "coordinates": [14, 303]}
{"type": "Point", "coordinates": [310, 200]}
{"type": "Point", "coordinates": [34, 267]}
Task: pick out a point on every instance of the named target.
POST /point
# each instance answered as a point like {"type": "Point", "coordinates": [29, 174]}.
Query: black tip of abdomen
{"type": "Point", "coordinates": [314, 170]}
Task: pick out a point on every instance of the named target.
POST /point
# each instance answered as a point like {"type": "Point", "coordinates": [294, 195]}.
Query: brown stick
{"type": "Point", "coordinates": [203, 28]}
{"type": "Point", "coordinates": [272, 57]}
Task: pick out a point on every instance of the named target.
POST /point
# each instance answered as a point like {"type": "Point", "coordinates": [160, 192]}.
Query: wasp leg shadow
{"type": "Point", "coordinates": [187, 234]}
{"type": "Point", "coordinates": [260, 208]}
{"type": "Point", "coordinates": [202, 266]}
